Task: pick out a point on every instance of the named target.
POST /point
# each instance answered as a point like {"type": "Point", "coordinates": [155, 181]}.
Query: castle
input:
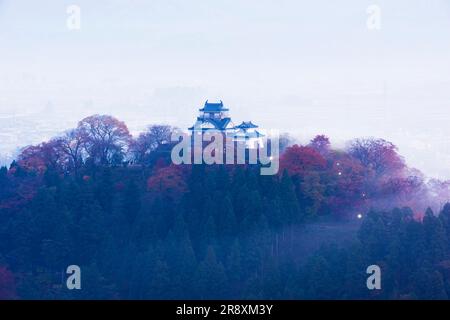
{"type": "Point", "coordinates": [215, 116]}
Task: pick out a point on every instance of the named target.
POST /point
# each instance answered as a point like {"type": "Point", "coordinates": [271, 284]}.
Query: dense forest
{"type": "Point", "coordinates": [142, 228]}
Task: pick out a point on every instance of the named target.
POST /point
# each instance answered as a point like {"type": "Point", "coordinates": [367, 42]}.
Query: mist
{"type": "Point", "coordinates": [294, 66]}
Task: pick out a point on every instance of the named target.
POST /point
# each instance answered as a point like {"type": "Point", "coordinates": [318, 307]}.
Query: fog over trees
{"type": "Point", "coordinates": [142, 228]}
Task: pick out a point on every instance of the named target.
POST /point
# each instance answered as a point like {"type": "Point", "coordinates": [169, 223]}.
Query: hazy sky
{"type": "Point", "coordinates": [306, 67]}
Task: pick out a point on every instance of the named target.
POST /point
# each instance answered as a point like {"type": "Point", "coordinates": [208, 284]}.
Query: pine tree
{"type": "Point", "coordinates": [211, 279]}
{"type": "Point", "coordinates": [223, 179]}
{"type": "Point", "coordinates": [428, 285]}
{"type": "Point", "coordinates": [105, 190]}
{"type": "Point", "coordinates": [3, 180]}
{"type": "Point", "coordinates": [226, 219]}
{"type": "Point", "coordinates": [239, 194]}
{"type": "Point", "coordinates": [289, 203]}
{"type": "Point", "coordinates": [373, 235]}
{"type": "Point", "coordinates": [51, 177]}
{"type": "Point", "coordinates": [272, 284]}
{"type": "Point", "coordinates": [161, 281]}
{"type": "Point", "coordinates": [234, 268]}
{"type": "Point", "coordinates": [355, 273]}
{"type": "Point", "coordinates": [180, 256]}
{"type": "Point", "coordinates": [435, 237]}
{"type": "Point", "coordinates": [251, 210]}
{"type": "Point", "coordinates": [3, 172]}
{"type": "Point", "coordinates": [131, 203]}
{"type": "Point", "coordinates": [318, 278]}
{"type": "Point", "coordinates": [208, 235]}
{"type": "Point", "coordinates": [444, 216]}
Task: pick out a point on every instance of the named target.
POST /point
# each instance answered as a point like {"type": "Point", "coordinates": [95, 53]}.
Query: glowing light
{"type": "Point", "coordinates": [339, 173]}
{"type": "Point", "coordinates": [359, 216]}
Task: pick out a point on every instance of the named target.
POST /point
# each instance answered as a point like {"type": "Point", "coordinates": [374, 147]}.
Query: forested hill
{"type": "Point", "coordinates": [141, 227]}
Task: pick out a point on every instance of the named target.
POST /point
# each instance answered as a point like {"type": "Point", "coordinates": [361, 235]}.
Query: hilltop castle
{"type": "Point", "coordinates": [215, 116]}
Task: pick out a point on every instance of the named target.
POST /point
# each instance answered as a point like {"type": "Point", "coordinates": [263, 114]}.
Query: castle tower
{"type": "Point", "coordinates": [246, 132]}
{"type": "Point", "coordinates": [213, 116]}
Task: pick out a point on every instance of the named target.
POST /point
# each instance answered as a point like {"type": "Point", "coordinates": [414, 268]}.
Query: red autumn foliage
{"type": "Point", "coordinates": [378, 155]}
{"type": "Point", "coordinates": [168, 181]}
{"type": "Point", "coordinates": [350, 177]}
{"type": "Point", "coordinates": [41, 157]}
{"type": "Point", "coordinates": [30, 159]}
{"type": "Point", "coordinates": [369, 172]}
{"type": "Point", "coordinates": [299, 160]}
{"type": "Point", "coordinates": [100, 139]}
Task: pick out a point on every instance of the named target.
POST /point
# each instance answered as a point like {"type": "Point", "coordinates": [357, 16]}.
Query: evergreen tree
{"type": "Point", "coordinates": [318, 278]}
{"type": "Point", "coordinates": [105, 190]}
{"type": "Point", "coordinates": [211, 281]}
{"type": "Point", "coordinates": [289, 204]}
{"type": "Point", "coordinates": [234, 267]}
{"type": "Point", "coordinates": [226, 219]}
{"type": "Point", "coordinates": [131, 203]}
{"type": "Point", "coordinates": [3, 172]}
{"type": "Point", "coordinates": [435, 236]}
{"type": "Point", "coordinates": [428, 285]}
{"type": "Point", "coordinates": [161, 282]}
{"type": "Point", "coordinates": [444, 216]}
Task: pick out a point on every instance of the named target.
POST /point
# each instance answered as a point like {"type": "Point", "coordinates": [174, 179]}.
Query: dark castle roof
{"type": "Point", "coordinates": [248, 135]}
{"type": "Point", "coordinates": [213, 107]}
{"type": "Point", "coordinates": [219, 124]}
{"type": "Point", "coordinates": [246, 125]}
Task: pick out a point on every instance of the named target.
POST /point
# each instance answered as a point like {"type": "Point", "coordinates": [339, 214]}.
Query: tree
{"type": "Point", "coordinates": [41, 157]}
{"type": "Point", "coordinates": [105, 139]}
{"type": "Point", "coordinates": [150, 140]}
{"type": "Point", "coordinates": [180, 257]}
{"type": "Point", "coordinates": [318, 278]}
{"type": "Point", "coordinates": [300, 160]}
{"type": "Point", "coordinates": [104, 191]}
{"type": "Point", "coordinates": [168, 182]}
{"type": "Point", "coordinates": [161, 281]}
{"type": "Point", "coordinates": [377, 154]}
{"type": "Point", "coordinates": [131, 204]}
{"type": "Point", "coordinates": [72, 145]}
{"type": "Point", "coordinates": [3, 173]}
{"type": "Point", "coordinates": [435, 236]}
{"type": "Point", "coordinates": [7, 284]}
{"type": "Point", "coordinates": [429, 285]}
{"type": "Point", "coordinates": [320, 143]}
{"type": "Point", "coordinates": [234, 266]}
{"type": "Point", "coordinates": [290, 209]}
{"type": "Point", "coordinates": [226, 219]}
{"type": "Point", "coordinates": [211, 280]}
{"type": "Point", "coordinates": [347, 185]}
{"type": "Point", "coordinates": [373, 235]}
